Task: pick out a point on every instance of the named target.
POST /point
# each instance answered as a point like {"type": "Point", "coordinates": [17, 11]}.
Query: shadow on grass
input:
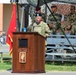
{"type": "Point", "coordinates": [60, 63]}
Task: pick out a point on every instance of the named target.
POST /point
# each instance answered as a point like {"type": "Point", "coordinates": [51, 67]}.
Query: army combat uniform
{"type": "Point", "coordinates": [71, 19]}
{"type": "Point", "coordinates": [52, 21]}
{"type": "Point", "coordinates": [41, 28]}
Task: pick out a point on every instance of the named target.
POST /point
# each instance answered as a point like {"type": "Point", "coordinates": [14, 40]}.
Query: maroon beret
{"type": "Point", "coordinates": [38, 8]}
{"type": "Point", "coordinates": [53, 6]}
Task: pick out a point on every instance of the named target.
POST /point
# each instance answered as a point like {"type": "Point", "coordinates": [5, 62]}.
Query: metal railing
{"type": "Point", "coordinates": [57, 47]}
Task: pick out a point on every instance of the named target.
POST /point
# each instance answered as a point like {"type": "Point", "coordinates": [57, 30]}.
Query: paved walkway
{"type": "Point", "coordinates": [47, 73]}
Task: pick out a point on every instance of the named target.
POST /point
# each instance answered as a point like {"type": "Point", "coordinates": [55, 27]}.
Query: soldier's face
{"type": "Point", "coordinates": [73, 11]}
{"type": "Point", "coordinates": [38, 19]}
{"type": "Point", "coordinates": [54, 9]}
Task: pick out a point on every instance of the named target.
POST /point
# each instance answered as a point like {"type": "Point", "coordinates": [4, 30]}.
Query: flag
{"type": "Point", "coordinates": [12, 28]}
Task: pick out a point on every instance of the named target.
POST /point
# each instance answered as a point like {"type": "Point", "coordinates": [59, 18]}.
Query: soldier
{"type": "Point", "coordinates": [52, 22]}
{"type": "Point", "coordinates": [41, 27]}
{"type": "Point", "coordinates": [37, 12]}
{"type": "Point", "coordinates": [71, 19]}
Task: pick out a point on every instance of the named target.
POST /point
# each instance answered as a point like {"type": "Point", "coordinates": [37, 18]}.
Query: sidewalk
{"type": "Point", "coordinates": [47, 73]}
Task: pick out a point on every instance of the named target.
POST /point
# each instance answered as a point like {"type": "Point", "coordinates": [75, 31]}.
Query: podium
{"type": "Point", "coordinates": [28, 53]}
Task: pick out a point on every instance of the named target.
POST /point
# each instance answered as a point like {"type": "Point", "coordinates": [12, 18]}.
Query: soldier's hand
{"type": "Point", "coordinates": [50, 25]}
{"type": "Point", "coordinates": [68, 27]}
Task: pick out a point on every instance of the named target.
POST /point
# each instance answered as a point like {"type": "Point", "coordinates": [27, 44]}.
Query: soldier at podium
{"type": "Point", "coordinates": [39, 26]}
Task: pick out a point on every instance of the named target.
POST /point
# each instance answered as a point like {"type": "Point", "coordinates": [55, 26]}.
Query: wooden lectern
{"type": "Point", "coordinates": [28, 53]}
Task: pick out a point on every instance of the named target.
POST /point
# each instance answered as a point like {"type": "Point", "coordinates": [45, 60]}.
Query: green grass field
{"type": "Point", "coordinates": [60, 67]}
{"type": "Point", "coordinates": [48, 66]}
{"type": "Point", "coordinates": [5, 66]}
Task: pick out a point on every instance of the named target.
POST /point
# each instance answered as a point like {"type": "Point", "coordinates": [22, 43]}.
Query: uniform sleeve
{"type": "Point", "coordinates": [48, 20]}
{"type": "Point", "coordinates": [47, 30]}
{"type": "Point", "coordinates": [68, 20]}
{"type": "Point", "coordinates": [29, 28]}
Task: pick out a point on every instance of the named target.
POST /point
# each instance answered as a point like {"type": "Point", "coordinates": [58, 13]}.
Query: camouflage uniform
{"type": "Point", "coordinates": [52, 21]}
{"type": "Point", "coordinates": [42, 29]}
{"type": "Point", "coordinates": [71, 20]}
